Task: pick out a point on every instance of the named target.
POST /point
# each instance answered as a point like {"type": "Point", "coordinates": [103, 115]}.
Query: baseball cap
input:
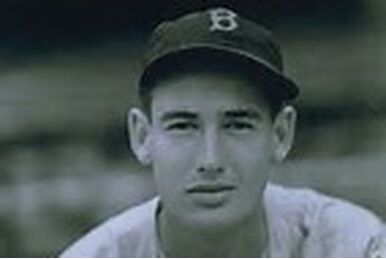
{"type": "Point", "coordinates": [218, 30]}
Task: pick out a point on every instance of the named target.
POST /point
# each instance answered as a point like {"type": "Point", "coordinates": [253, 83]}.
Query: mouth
{"type": "Point", "coordinates": [210, 188]}
{"type": "Point", "coordinates": [210, 195]}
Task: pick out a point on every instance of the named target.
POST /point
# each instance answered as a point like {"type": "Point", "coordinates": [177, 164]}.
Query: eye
{"type": "Point", "coordinates": [239, 125]}
{"type": "Point", "coordinates": [181, 126]}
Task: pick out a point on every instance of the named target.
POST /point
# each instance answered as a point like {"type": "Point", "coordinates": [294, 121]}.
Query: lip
{"type": "Point", "coordinates": [210, 188]}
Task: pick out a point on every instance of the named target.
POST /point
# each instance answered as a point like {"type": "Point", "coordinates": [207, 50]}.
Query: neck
{"type": "Point", "coordinates": [247, 239]}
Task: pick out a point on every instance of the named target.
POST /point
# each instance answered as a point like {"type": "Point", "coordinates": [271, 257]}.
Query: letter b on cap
{"type": "Point", "coordinates": [223, 20]}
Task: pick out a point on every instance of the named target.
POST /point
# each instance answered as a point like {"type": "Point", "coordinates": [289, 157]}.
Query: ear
{"type": "Point", "coordinates": [139, 132]}
{"type": "Point", "coordinates": [284, 131]}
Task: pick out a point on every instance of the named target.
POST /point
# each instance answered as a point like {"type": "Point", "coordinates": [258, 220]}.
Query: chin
{"type": "Point", "coordinates": [215, 220]}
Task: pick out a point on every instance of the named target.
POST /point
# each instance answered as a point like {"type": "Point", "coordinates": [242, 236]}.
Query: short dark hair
{"type": "Point", "coordinates": [205, 60]}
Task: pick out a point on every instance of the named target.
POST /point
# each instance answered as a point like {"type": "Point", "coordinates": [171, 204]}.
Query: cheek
{"type": "Point", "coordinates": [172, 161]}
{"type": "Point", "coordinates": [252, 159]}
{"type": "Point", "coordinates": [169, 151]}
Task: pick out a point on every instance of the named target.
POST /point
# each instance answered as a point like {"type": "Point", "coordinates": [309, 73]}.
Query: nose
{"type": "Point", "coordinates": [211, 162]}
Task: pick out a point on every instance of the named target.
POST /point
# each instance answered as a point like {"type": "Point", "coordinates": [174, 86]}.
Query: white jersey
{"type": "Point", "coordinates": [301, 223]}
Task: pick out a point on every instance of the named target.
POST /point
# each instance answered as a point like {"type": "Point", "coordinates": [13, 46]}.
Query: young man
{"type": "Point", "coordinates": [215, 120]}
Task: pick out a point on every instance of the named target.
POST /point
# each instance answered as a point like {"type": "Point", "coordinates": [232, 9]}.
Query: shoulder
{"type": "Point", "coordinates": [328, 225]}
{"type": "Point", "coordinates": [128, 234]}
{"type": "Point", "coordinates": [293, 206]}
{"type": "Point", "coordinates": [316, 205]}
{"type": "Point", "coordinates": [293, 199]}
{"type": "Point", "coordinates": [344, 229]}
{"type": "Point", "coordinates": [290, 212]}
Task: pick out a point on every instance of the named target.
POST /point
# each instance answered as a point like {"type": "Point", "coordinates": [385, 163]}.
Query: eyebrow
{"type": "Point", "coordinates": [178, 115]}
{"type": "Point", "coordinates": [242, 113]}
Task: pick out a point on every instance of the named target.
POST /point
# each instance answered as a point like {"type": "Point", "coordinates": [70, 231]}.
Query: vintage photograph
{"type": "Point", "coordinates": [192, 128]}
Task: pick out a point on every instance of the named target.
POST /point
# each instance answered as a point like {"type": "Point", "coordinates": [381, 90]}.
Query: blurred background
{"type": "Point", "coordinates": [68, 72]}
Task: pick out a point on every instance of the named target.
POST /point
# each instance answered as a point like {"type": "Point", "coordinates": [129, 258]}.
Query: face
{"type": "Point", "coordinates": [211, 142]}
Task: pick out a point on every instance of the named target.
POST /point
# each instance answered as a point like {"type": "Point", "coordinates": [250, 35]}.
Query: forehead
{"type": "Point", "coordinates": [207, 91]}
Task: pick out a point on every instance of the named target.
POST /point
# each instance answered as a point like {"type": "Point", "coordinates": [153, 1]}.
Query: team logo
{"type": "Point", "coordinates": [223, 20]}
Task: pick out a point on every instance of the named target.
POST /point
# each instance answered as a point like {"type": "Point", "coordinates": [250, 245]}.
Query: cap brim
{"type": "Point", "coordinates": [282, 87]}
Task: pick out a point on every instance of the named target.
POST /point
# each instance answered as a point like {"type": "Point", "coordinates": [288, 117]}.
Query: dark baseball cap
{"type": "Point", "coordinates": [218, 30]}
